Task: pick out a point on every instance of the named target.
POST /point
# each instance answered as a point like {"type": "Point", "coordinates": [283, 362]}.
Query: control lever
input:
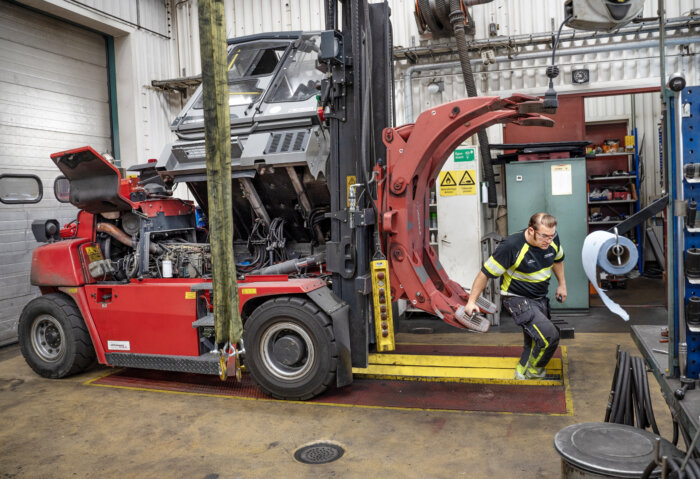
{"type": "Point", "coordinates": [686, 385]}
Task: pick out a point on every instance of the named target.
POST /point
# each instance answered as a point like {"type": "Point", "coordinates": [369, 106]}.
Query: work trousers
{"type": "Point", "coordinates": [541, 337]}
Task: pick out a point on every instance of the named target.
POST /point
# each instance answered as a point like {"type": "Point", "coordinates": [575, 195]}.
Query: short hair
{"type": "Point", "coordinates": [544, 219]}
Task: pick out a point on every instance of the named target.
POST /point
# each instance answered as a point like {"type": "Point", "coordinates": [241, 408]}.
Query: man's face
{"type": "Point", "coordinates": [543, 236]}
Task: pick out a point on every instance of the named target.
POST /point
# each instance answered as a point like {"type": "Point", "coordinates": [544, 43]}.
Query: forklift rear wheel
{"type": "Point", "coordinates": [53, 337]}
{"type": "Point", "coordinates": [290, 348]}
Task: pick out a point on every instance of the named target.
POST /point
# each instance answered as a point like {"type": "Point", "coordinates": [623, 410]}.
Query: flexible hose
{"type": "Point", "coordinates": [630, 401]}
{"type": "Point", "coordinates": [457, 20]}
{"type": "Point", "coordinates": [675, 433]}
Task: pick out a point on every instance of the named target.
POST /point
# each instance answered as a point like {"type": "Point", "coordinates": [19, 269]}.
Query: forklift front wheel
{"type": "Point", "coordinates": [290, 348]}
{"type": "Point", "coordinates": [53, 337]}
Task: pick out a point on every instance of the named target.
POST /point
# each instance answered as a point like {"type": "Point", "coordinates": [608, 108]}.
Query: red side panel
{"type": "Point", "coordinates": [146, 317]}
{"type": "Point", "coordinates": [155, 316]}
{"type": "Point", "coordinates": [58, 264]}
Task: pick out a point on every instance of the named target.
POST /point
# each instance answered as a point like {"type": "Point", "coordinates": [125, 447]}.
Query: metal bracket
{"type": "Point", "coordinates": [341, 216]}
{"type": "Point", "coordinates": [364, 284]}
{"type": "Point", "coordinates": [364, 218]}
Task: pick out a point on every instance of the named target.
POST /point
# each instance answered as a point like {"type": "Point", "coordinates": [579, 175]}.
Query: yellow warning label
{"type": "Point", "coordinates": [190, 295]}
{"type": "Point", "coordinates": [457, 182]}
{"type": "Point", "coordinates": [447, 180]}
{"type": "Point", "coordinates": [94, 253]}
{"type": "Point", "coordinates": [249, 291]}
{"type": "Point", "coordinates": [351, 180]}
{"type": "Point", "coordinates": [448, 185]}
{"type": "Point", "coordinates": [467, 183]}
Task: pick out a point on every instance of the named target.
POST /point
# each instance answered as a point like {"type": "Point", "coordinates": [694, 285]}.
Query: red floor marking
{"type": "Point", "coordinates": [375, 392]}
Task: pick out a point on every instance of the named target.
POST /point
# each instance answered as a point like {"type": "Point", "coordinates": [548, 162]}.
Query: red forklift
{"type": "Point", "coordinates": [330, 209]}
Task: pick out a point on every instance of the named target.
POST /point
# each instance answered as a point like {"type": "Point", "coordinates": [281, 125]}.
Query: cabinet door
{"type": "Point", "coordinates": [571, 213]}
{"type": "Point", "coordinates": [529, 189]}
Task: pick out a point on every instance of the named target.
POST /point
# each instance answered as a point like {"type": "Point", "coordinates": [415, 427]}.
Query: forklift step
{"type": "Point", "coordinates": [204, 321]}
{"type": "Point", "coordinates": [469, 369]}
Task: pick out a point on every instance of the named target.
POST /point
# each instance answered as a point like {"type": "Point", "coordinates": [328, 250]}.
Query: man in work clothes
{"type": "Point", "coordinates": [526, 260]}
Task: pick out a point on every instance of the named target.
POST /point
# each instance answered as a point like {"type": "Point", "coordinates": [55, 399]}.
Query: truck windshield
{"type": "Point", "coordinates": [299, 75]}
{"type": "Point", "coordinates": [248, 66]}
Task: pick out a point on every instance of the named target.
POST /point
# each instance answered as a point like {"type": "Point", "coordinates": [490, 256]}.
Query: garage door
{"type": "Point", "coordinates": [54, 96]}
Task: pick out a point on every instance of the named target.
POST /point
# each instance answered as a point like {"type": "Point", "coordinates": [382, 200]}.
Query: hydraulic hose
{"type": "Point", "coordinates": [630, 400]}
{"type": "Point", "coordinates": [122, 237]}
{"type": "Point", "coordinates": [457, 21]}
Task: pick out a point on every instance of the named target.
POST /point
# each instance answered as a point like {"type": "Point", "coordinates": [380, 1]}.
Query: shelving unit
{"type": "Point", "coordinates": [598, 171]}
{"type": "Point", "coordinates": [433, 230]}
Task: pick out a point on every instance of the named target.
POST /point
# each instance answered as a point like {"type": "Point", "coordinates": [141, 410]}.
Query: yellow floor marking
{"type": "Point", "coordinates": [453, 361]}
{"type": "Point", "coordinates": [427, 372]}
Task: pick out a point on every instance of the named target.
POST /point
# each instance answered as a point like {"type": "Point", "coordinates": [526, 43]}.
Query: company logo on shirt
{"type": "Point", "coordinates": [548, 255]}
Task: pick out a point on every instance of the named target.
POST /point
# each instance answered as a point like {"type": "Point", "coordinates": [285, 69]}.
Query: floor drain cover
{"type": "Point", "coordinates": [319, 453]}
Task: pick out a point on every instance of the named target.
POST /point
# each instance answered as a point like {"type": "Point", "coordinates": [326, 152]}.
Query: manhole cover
{"type": "Point", "coordinates": [319, 453]}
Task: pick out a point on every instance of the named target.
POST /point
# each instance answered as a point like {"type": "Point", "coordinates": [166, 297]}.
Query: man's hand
{"type": "Point", "coordinates": [561, 293]}
{"type": "Point", "coordinates": [471, 307]}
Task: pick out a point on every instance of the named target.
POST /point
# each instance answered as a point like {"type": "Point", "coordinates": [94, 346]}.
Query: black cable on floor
{"type": "Point", "coordinates": [630, 401]}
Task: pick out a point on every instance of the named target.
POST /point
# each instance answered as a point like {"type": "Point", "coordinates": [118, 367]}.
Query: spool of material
{"type": "Point", "coordinates": [692, 311]}
{"type": "Point", "coordinates": [615, 255]}
{"type": "Point", "coordinates": [692, 263]}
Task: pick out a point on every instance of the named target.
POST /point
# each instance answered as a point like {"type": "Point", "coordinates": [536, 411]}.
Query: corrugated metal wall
{"type": "Point", "coordinates": [53, 97]}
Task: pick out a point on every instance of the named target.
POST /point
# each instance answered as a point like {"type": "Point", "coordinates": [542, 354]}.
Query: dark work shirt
{"type": "Point", "coordinates": [525, 269]}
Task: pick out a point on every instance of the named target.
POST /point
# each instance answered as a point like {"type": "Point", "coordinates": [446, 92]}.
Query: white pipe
{"type": "Point", "coordinates": [408, 75]}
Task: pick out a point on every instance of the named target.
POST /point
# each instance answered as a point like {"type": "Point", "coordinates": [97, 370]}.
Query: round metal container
{"type": "Point", "coordinates": [604, 450]}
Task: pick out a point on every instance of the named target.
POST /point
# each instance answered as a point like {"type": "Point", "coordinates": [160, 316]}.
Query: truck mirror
{"type": "Point", "coordinates": [20, 189]}
{"type": "Point", "coordinates": [61, 189]}
{"type": "Point", "coordinates": [46, 231]}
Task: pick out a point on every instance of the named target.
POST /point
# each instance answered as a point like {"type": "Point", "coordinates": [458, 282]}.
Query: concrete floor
{"type": "Point", "coordinates": [65, 429]}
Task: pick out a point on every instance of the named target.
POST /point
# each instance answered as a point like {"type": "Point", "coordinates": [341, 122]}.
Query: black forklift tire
{"type": "Point", "coordinates": [291, 351]}
{"type": "Point", "coordinates": [53, 337]}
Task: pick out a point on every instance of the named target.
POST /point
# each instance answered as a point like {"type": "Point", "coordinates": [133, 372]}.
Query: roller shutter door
{"type": "Point", "coordinates": [54, 96]}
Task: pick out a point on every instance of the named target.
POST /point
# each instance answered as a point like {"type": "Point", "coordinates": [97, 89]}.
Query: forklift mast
{"type": "Point", "coordinates": [358, 99]}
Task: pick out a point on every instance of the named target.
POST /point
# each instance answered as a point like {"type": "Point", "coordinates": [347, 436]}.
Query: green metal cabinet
{"type": "Point", "coordinates": [559, 188]}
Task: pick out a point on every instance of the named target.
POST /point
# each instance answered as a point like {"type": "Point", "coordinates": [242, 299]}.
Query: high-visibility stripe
{"type": "Point", "coordinates": [508, 277]}
{"type": "Point", "coordinates": [554, 245]}
{"type": "Point", "coordinates": [546, 345]}
{"type": "Point", "coordinates": [536, 277]}
{"type": "Point", "coordinates": [560, 254]}
{"type": "Point", "coordinates": [494, 267]}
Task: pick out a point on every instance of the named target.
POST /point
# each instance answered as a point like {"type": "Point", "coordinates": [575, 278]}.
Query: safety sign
{"type": "Point", "coordinates": [458, 182]}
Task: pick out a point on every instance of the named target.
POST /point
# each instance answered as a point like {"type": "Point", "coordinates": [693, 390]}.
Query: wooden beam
{"type": "Point", "coordinates": [217, 135]}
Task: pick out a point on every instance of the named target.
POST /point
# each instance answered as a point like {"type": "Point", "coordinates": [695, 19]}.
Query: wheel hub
{"type": "Point", "coordinates": [47, 338]}
{"type": "Point", "coordinates": [288, 350]}
{"type": "Point", "coordinates": [53, 337]}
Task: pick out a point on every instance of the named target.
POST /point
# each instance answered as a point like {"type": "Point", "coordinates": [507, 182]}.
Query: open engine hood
{"type": "Point", "coordinates": [94, 181]}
